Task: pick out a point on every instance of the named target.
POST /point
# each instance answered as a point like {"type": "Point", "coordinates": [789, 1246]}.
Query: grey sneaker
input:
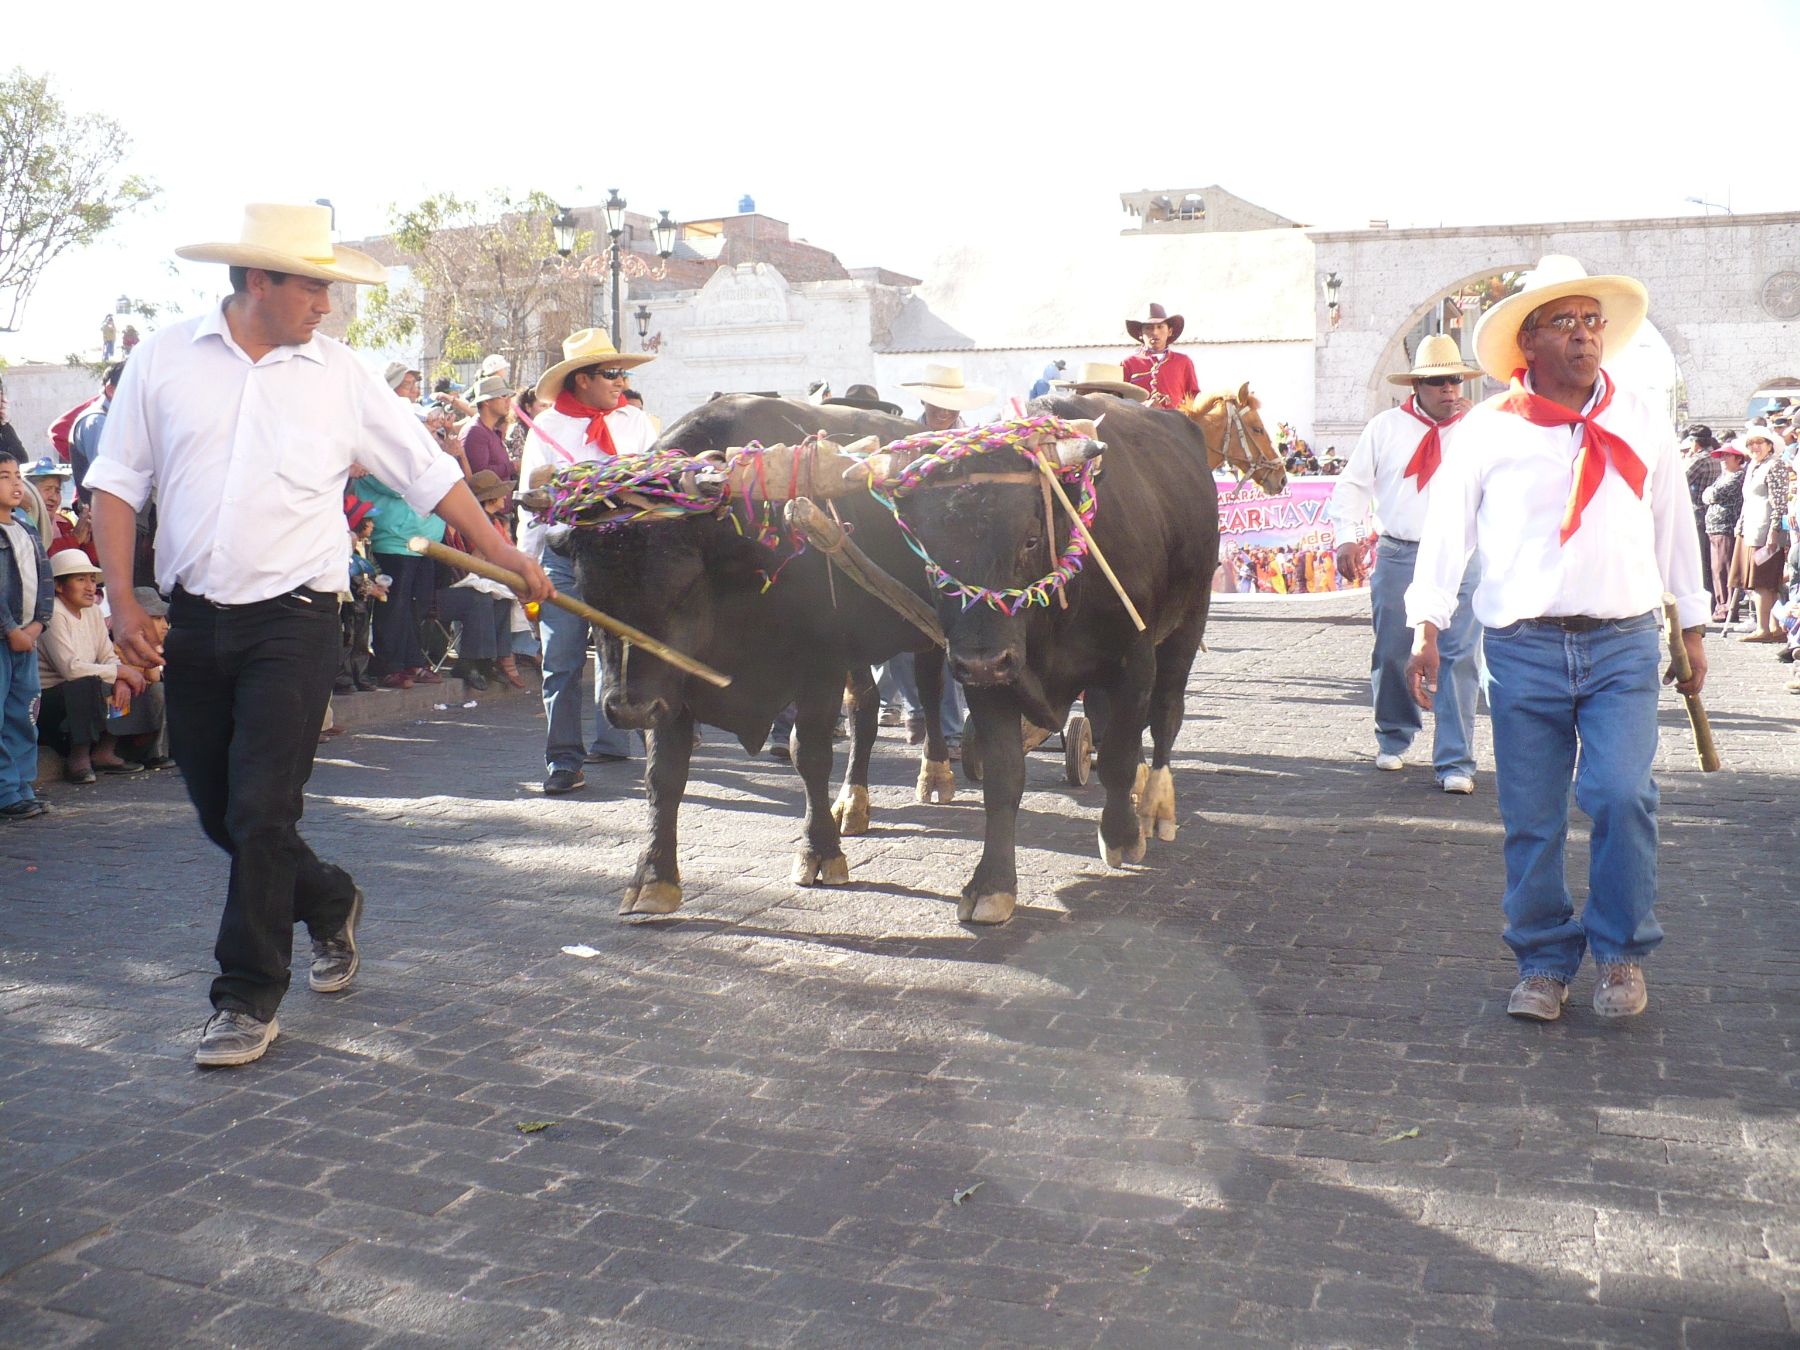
{"type": "Point", "coordinates": [1538, 997]}
{"type": "Point", "coordinates": [1621, 991]}
{"type": "Point", "coordinates": [231, 1037]}
{"type": "Point", "coordinates": [334, 957]}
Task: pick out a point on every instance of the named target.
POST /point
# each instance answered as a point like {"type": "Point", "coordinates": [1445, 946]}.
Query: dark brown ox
{"type": "Point", "coordinates": [698, 584]}
{"type": "Point", "coordinates": [1158, 525]}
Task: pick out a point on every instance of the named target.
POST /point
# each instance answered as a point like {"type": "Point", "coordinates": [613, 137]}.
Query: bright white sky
{"type": "Point", "coordinates": [889, 132]}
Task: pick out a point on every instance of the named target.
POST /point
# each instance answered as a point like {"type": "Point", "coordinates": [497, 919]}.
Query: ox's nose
{"type": "Point", "coordinates": [628, 716]}
{"type": "Point", "coordinates": [1002, 668]}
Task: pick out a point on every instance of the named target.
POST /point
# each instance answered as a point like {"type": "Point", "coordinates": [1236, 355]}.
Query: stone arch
{"type": "Point", "coordinates": [1377, 395]}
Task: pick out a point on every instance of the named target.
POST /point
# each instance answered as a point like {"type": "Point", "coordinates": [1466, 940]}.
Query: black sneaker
{"type": "Point", "coordinates": [24, 810]}
{"type": "Point", "coordinates": [232, 1037]}
{"type": "Point", "coordinates": [334, 957]}
{"type": "Point", "coordinates": [563, 780]}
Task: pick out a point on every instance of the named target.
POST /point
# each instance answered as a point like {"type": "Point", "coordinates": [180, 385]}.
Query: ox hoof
{"type": "Point", "coordinates": [810, 869]}
{"type": "Point", "coordinates": [994, 907]}
{"type": "Point", "coordinates": [851, 810]}
{"type": "Point", "coordinates": [937, 782]}
{"type": "Point", "coordinates": [1135, 854]}
{"type": "Point", "coordinates": [653, 897]}
{"type": "Point", "coordinates": [1156, 804]}
{"type": "Point", "coordinates": [1131, 853]}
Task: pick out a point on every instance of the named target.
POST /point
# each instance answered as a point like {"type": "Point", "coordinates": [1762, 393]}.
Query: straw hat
{"type": "Point", "coordinates": [943, 387]}
{"type": "Point", "coordinates": [488, 486]}
{"type": "Point", "coordinates": [1097, 377]}
{"type": "Point", "coordinates": [587, 347]}
{"type": "Point", "coordinates": [1154, 314]}
{"type": "Point", "coordinates": [296, 239]}
{"type": "Point", "coordinates": [72, 562]}
{"type": "Point", "coordinates": [1437, 355]}
{"type": "Point", "coordinates": [1623, 301]}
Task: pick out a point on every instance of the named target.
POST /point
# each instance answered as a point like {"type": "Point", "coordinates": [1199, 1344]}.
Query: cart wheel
{"type": "Point", "coordinates": [1078, 750]}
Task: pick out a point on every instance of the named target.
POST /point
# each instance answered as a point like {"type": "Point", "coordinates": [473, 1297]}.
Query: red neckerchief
{"type": "Point", "coordinates": [1598, 445]}
{"type": "Point", "coordinates": [597, 431]}
{"type": "Point", "coordinates": [1430, 453]}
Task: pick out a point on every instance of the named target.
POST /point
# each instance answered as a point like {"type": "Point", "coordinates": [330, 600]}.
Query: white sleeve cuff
{"type": "Point", "coordinates": [431, 487]}
{"type": "Point", "coordinates": [129, 485]}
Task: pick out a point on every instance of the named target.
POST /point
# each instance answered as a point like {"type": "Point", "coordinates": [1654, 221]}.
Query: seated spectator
{"type": "Point", "coordinates": [484, 608]}
{"type": "Point", "coordinates": [140, 730]}
{"type": "Point", "coordinates": [81, 675]}
{"type": "Point", "coordinates": [68, 529]}
{"type": "Point", "coordinates": [367, 590]}
{"type": "Point", "coordinates": [482, 445]}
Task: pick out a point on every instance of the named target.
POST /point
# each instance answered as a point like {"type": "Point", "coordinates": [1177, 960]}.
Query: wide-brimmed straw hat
{"type": "Point", "coordinates": [72, 562]}
{"type": "Point", "coordinates": [1150, 314]}
{"type": "Point", "coordinates": [278, 237]}
{"type": "Point", "coordinates": [586, 347]}
{"type": "Point", "coordinates": [1623, 301]}
{"type": "Point", "coordinates": [1438, 355]}
{"type": "Point", "coordinates": [866, 396]}
{"type": "Point", "coordinates": [943, 387]}
{"type": "Point", "coordinates": [1098, 377]}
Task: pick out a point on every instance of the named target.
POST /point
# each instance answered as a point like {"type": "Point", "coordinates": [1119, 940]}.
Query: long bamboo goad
{"type": "Point", "coordinates": [1684, 670]}
{"type": "Point", "coordinates": [623, 631]}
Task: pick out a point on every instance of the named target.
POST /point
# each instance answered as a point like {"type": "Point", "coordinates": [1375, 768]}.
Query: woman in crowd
{"type": "Point", "coordinates": [1724, 502]}
{"type": "Point", "coordinates": [81, 674]}
{"type": "Point", "coordinates": [1761, 542]}
{"type": "Point", "coordinates": [483, 608]}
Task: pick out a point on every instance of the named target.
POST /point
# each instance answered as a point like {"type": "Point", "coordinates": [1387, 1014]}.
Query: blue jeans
{"type": "Point", "coordinates": [18, 725]}
{"type": "Point", "coordinates": [565, 661]}
{"type": "Point", "coordinates": [1555, 695]}
{"type": "Point", "coordinates": [1397, 718]}
{"type": "Point", "coordinates": [897, 684]}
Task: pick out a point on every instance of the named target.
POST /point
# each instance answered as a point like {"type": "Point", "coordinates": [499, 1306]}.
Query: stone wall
{"type": "Point", "coordinates": [37, 395]}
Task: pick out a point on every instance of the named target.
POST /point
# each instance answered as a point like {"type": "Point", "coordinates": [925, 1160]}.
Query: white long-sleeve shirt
{"type": "Point", "coordinates": [248, 460]}
{"type": "Point", "coordinates": [1375, 476]}
{"type": "Point", "coordinates": [632, 434]}
{"type": "Point", "coordinates": [1504, 488]}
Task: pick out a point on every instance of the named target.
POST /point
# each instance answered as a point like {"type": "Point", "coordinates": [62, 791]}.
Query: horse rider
{"type": "Point", "coordinates": [1166, 376]}
{"type": "Point", "coordinates": [1392, 468]}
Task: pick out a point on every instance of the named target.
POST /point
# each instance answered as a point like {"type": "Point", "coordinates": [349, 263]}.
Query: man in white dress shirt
{"type": "Point", "coordinates": [1571, 490]}
{"type": "Point", "coordinates": [243, 424]}
{"type": "Point", "coordinates": [1392, 468]}
{"type": "Point", "coordinates": [583, 417]}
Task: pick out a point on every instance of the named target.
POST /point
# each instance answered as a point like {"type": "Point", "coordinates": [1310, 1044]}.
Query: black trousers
{"type": "Point", "coordinates": [397, 618]}
{"type": "Point", "coordinates": [73, 713]}
{"type": "Point", "coordinates": [246, 691]}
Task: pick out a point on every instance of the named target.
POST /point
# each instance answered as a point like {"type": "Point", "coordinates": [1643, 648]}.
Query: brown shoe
{"type": "Point", "coordinates": [1538, 997]}
{"type": "Point", "coordinates": [509, 671]}
{"type": "Point", "coordinates": [1621, 991]}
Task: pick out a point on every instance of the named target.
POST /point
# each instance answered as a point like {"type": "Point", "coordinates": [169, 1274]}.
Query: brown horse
{"type": "Point", "coordinates": [1236, 438]}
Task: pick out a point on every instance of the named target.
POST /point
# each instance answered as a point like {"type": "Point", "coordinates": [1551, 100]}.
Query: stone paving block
{"type": "Point", "coordinates": [263, 1326]}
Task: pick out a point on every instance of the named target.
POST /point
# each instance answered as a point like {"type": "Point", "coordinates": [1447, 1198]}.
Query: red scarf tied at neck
{"type": "Point", "coordinates": [597, 431]}
{"type": "Point", "coordinates": [1598, 445]}
{"type": "Point", "coordinates": [1430, 453]}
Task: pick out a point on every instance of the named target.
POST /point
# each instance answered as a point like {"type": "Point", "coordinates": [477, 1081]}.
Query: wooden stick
{"type": "Point", "coordinates": [1684, 670]}
{"type": "Point", "coordinates": [1093, 545]}
{"type": "Point", "coordinates": [830, 538]}
{"type": "Point", "coordinates": [625, 632]}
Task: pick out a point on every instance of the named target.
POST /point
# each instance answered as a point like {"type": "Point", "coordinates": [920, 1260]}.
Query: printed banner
{"type": "Point", "coordinates": [1281, 545]}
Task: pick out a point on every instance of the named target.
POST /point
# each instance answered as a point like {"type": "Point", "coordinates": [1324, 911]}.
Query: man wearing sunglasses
{"type": "Point", "coordinates": [583, 416]}
{"type": "Point", "coordinates": [1571, 490]}
{"type": "Point", "coordinates": [1392, 470]}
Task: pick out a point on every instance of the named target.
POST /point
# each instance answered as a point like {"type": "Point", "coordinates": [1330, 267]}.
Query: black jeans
{"type": "Point", "coordinates": [247, 689]}
{"type": "Point", "coordinates": [73, 713]}
{"type": "Point", "coordinates": [397, 618]}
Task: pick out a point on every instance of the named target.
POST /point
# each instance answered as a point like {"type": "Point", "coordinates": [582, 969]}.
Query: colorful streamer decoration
{"type": "Point", "coordinates": [944, 448]}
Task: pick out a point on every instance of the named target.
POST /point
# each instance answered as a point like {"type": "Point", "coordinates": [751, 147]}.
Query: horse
{"type": "Point", "coordinates": [1236, 437]}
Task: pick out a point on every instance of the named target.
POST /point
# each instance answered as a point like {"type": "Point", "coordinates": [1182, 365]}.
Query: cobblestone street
{"type": "Point", "coordinates": [1259, 1091]}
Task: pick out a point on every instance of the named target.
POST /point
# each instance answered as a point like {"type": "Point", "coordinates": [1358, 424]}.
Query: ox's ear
{"type": "Point", "coordinates": [736, 561]}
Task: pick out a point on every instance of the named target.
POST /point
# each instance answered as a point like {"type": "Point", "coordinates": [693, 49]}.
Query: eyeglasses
{"type": "Point", "coordinates": [1567, 323]}
{"type": "Point", "coordinates": [1442, 381]}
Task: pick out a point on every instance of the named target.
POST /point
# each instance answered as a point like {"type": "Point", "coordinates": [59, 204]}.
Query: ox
{"type": "Point", "coordinates": [1158, 525]}
{"type": "Point", "coordinates": [701, 585]}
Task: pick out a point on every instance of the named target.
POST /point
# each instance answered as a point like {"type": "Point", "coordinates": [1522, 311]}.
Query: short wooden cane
{"type": "Point", "coordinates": [1684, 671]}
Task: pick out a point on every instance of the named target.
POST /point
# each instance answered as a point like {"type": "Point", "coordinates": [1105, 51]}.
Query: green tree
{"type": "Point", "coordinates": [61, 184]}
{"type": "Point", "coordinates": [485, 278]}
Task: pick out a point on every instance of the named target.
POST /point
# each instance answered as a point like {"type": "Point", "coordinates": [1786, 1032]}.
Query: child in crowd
{"type": "Point", "coordinates": [365, 592]}
{"type": "Point", "coordinates": [26, 597]}
{"type": "Point", "coordinates": [81, 674]}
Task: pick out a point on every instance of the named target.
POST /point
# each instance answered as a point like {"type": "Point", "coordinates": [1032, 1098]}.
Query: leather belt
{"type": "Point", "coordinates": [1571, 623]}
{"type": "Point", "coordinates": [304, 594]}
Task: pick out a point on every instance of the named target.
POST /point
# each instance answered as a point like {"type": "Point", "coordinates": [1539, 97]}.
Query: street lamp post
{"type": "Point", "coordinates": [643, 322]}
{"type": "Point", "coordinates": [615, 227]}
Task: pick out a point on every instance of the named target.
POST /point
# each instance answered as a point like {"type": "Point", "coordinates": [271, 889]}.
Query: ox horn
{"type": "Point", "coordinates": [1083, 445]}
